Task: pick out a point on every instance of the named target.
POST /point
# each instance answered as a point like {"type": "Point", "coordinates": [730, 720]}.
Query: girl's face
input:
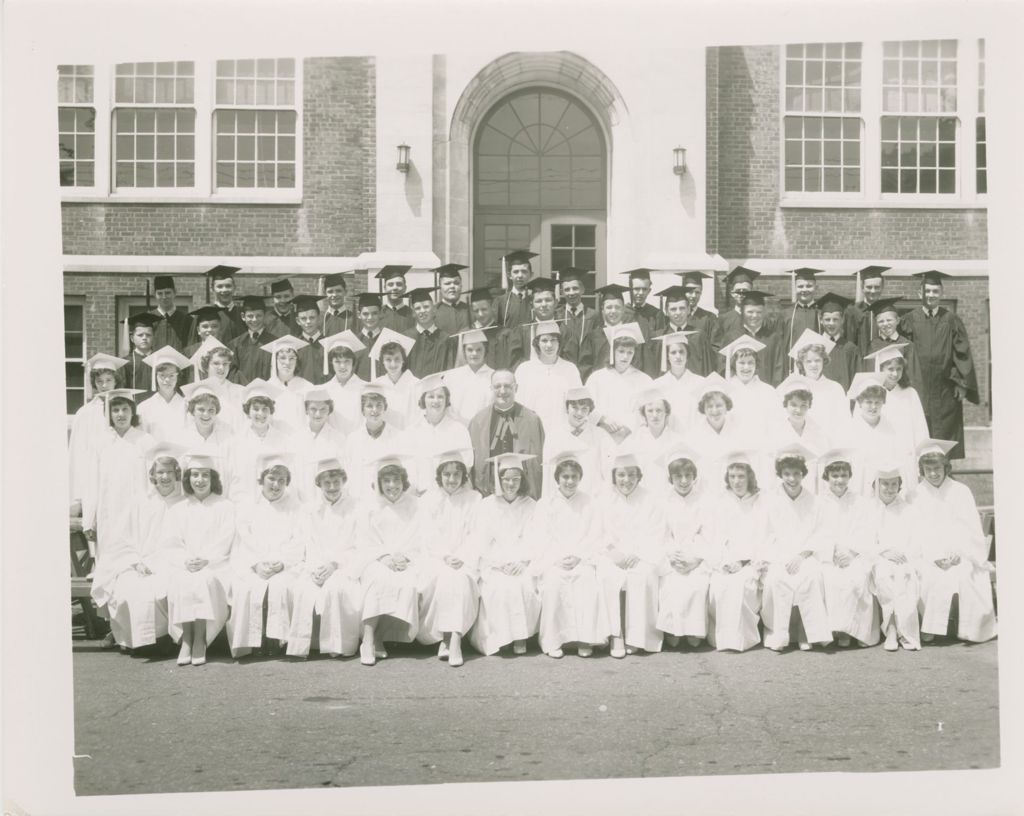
{"type": "Point", "coordinates": [656, 415]}
{"type": "Point", "coordinates": [814, 364]}
{"type": "Point", "coordinates": [105, 381]}
{"type": "Point", "coordinates": [274, 483]}
{"type": "Point", "coordinates": [121, 416]}
{"type": "Point", "coordinates": [167, 379]}
{"type": "Point", "coordinates": [888, 489]}
{"type": "Point", "coordinates": [892, 370]}
{"type": "Point", "coordinates": [393, 364]}
{"type": "Point", "coordinates": [934, 472]}
{"type": "Point", "coordinates": [624, 356]}
{"type": "Point", "coordinates": [568, 481]}
{"type": "Point", "coordinates": [201, 482]}
{"type": "Point", "coordinates": [627, 479]}
{"type": "Point", "coordinates": [739, 482]}
{"type": "Point", "coordinates": [317, 412]}
{"type": "Point", "coordinates": [715, 409]}
{"type": "Point", "coordinates": [164, 478]}
{"type": "Point", "coordinates": [205, 412]}
{"type": "Point", "coordinates": [792, 480]}
{"type": "Point", "coordinates": [796, 407]}
{"type": "Point", "coordinates": [870, 408]}
{"type": "Point", "coordinates": [839, 481]}
{"type": "Point", "coordinates": [391, 486]}
{"type": "Point", "coordinates": [475, 354]}
{"type": "Point", "coordinates": [343, 368]}
{"type": "Point", "coordinates": [331, 485]}
{"type": "Point", "coordinates": [434, 402]}
{"type": "Point", "coordinates": [510, 478]}
{"type": "Point", "coordinates": [451, 477]}
{"type": "Point", "coordinates": [287, 360]}
{"type": "Point", "coordinates": [547, 344]}
{"type": "Point", "coordinates": [259, 414]}
{"type": "Point", "coordinates": [578, 413]}
{"type": "Point", "coordinates": [219, 366]}
{"type": "Point", "coordinates": [374, 408]}
{"type": "Point", "coordinates": [746, 367]}
{"type": "Point", "coordinates": [677, 356]}
{"type": "Point", "coordinates": [683, 481]}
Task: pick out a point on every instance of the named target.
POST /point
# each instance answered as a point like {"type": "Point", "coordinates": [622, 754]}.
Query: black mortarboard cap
{"type": "Point", "coordinates": [284, 285]}
{"type": "Point", "coordinates": [883, 305]}
{"type": "Point", "coordinates": [392, 271]}
{"type": "Point", "coordinates": [742, 272]}
{"type": "Point", "coordinates": [806, 273]}
{"type": "Point", "coordinates": [872, 271]}
{"type": "Point", "coordinates": [673, 293]}
{"type": "Point", "coordinates": [541, 284]}
{"type": "Point", "coordinates": [365, 299]}
{"type": "Point", "coordinates": [693, 277]}
{"type": "Point", "coordinates": [221, 271]}
{"type": "Point", "coordinates": [831, 302]}
{"type": "Point", "coordinates": [143, 319]}
{"type": "Point", "coordinates": [755, 297]}
{"type": "Point", "coordinates": [641, 273]}
{"type": "Point", "coordinates": [449, 270]}
{"type": "Point", "coordinates": [613, 290]}
{"type": "Point", "coordinates": [303, 303]}
{"type": "Point", "coordinates": [481, 293]}
{"type": "Point", "coordinates": [206, 312]}
{"type": "Point", "coordinates": [572, 273]}
{"type": "Point", "coordinates": [519, 256]}
{"type": "Point", "coordinates": [421, 294]}
{"type": "Point", "coordinates": [253, 302]}
{"type": "Point", "coordinates": [163, 282]}
{"type": "Point", "coordinates": [335, 279]}
{"type": "Point", "coordinates": [932, 276]}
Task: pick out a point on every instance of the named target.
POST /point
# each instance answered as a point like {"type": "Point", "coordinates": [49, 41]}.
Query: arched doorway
{"type": "Point", "coordinates": [539, 182]}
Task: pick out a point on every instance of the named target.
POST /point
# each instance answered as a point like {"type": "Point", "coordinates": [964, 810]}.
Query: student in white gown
{"type": "Point", "coordinates": [470, 383]}
{"type": "Point", "coordinates": [434, 429]}
{"type": "Point", "coordinates": [509, 603]}
{"type": "Point", "coordinates": [954, 551]}
{"type": "Point", "coordinates": [313, 440]}
{"type": "Point", "coordinates": [388, 359]}
{"type": "Point", "coordinates": [201, 533]}
{"type": "Point", "coordinates": [284, 356]}
{"type": "Point", "coordinates": [795, 425]}
{"type": "Point", "coordinates": [680, 386]}
{"type": "Point", "coordinates": [717, 430]}
{"type": "Point", "coordinates": [567, 536]}
{"type": "Point", "coordinates": [117, 480]}
{"type": "Point", "coordinates": [263, 432]}
{"type": "Point", "coordinates": [754, 401]}
{"type": "Point", "coordinates": [617, 383]}
{"type": "Point", "coordinates": [345, 387]}
{"type": "Point", "coordinates": [217, 361]}
{"type": "Point", "coordinates": [737, 530]}
{"type": "Point", "coordinates": [902, 402]}
{"type": "Point", "coordinates": [397, 581]}
{"type": "Point", "coordinates": [206, 428]}
{"type": "Point", "coordinates": [162, 415]}
{"type": "Point", "coordinates": [688, 554]}
{"type": "Point", "coordinates": [830, 408]}
{"type": "Point", "coordinates": [89, 423]}
{"type": "Point", "coordinates": [328, 586]}
{"type": "Point", "coordinates": [544, 378]}
{"type": "Point", "coordinates": [129, 586]}
{"type": "Point", "coordinates": [446, 512]}
{"type": "Point", "coordinates": [266, 562]}
{"type": "Point", "coordinates": [633, 533]}
{"type": "Point", "coordinates": [895, 579]}
{"type": "Point", "coordinates": [579, 431]}
{"type": "Point", "coordinates": [852, 611]}
{"type": "Point", "coordinates": [654, 436]}
{"type": "Point", "coordinates": [794, 554]}
{"type": "Point", "coordinates": [873, 436]}
{"type": "Point", "coordinates": [375, 437]}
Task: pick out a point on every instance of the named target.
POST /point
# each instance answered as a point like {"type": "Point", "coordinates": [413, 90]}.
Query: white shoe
{"type": "Point", "coordinates": [442, 651]}
{"type": "Point", "coordinates": [693, 640]}
{"type": "Point", "coordinates": [843, 641]}
{"type": "Point", "coordinates": [926, 637]}
{"type": "Point", "coordinates": [556, 653]}
{"type": "Point", "coordinates": [585, 651]}
{"type": "Point", "coordinates": [185, 655]}
{"type": "Point", "coordinates": [804, 647]}
{"type": "Point", "coordinates": [618, 648]}
{"type": "Point", "coordinates": [366, 655]}
{"type": "Point", "coordinates": [455, 660]}
{"type": "Point", "coordinates": [672, 640]}
{"type": "Point", "coordinates": [519, 647]}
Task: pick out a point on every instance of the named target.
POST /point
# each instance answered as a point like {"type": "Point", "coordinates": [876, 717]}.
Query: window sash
{"type": "Point", "coordinates": [74, 355]}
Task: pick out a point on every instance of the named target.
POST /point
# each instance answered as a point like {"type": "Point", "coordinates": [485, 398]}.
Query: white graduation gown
{"type": "Point", "coordinates": [683, 395]}
{"type": "Point", "coordinates": [422, 441]}
{"type": "Point", "coordinates": [88, 426]}
{"type": "Point", "coordinates": [470, 390]}
{"type": "Point", "coordinates": [403, 402]}
{"type": "Point", "coordinates": [633, 524]}
{"type": "Point", "coordinates": [445, 524]}
{"type": "Point", "coordinates": [347, 399]}
{"type": "Point", "coordinates": [229, 395]}
{"type": "Point", "coordinates": [572, 604]}
{"type": "Point", "coordinates": [683, 598]}
{"type": "Point", "coordinates": [244, 449]}
{"type": "Point", "coordinates": [649, 450]}
{"type": "Point", "coordinates": [542, 387]}
{"type": "Point", "coordinates": [871, 445]}
{"type": "Point", "coordinates": [328, 534]}
{"type": "Point", "coordinates": [903, 410]}
{"type": "Point", "coordinates": [163, 419]}
{"type": "Point", "coordinates": [830, 408]}
{"type": "Point", "coordinates": [897, 586]}
{"type": "Point", "coordinates": [794, 526]}
{"type": "Point", "coordinates": [509, 604]}
{"type": "Point", "coordinates": [289, 405]}
{"type": "Point", "coordinates": [359, 454]}
{"type": "Point", "coordinates": [266, 532]}
{"type": "Point", "coordinates": [310, 447]}
{"type": "Point", "coordinates": [946, 523]}
{"type": "Point", "coordinates": [615, 394]}
{"type": "Point", "coordinates": [712, 446]}
{"type": "Point", "coordinates": [200, 529]}
{"type": "Point", "coordinates": [596, 453]}
{"type": "Point", "coordinates": [136, 604]}
{"type": "Point", "coordinates": [754, 403]}
{"type": "Point", "coordinates": [400, 597]}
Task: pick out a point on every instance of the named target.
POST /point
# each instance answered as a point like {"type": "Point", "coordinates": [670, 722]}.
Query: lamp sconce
{"type": "Point", "coordinates": [679, 161]}
{"type": "Point", "coordinates": [403, 159]}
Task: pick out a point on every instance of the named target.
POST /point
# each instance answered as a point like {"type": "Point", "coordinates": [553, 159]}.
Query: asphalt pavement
{"type": "Point", "coordinates": [144, 725]}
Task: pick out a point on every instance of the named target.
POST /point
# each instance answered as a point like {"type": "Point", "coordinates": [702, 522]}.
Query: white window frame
{"type": "Point", "coordinates": [77, 301]}
{"type": "Point", "coordinates": [122, 307]}
{"type": "Point", "coordinates": [90, 105]}
{"type": "Point", "coordinates": [204, 191]}
{"type": "Point", "coordinates": [871, 113]}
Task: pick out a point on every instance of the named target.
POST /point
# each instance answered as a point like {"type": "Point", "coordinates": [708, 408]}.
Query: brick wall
{"type": "Point", "coordinates": [337, 213]}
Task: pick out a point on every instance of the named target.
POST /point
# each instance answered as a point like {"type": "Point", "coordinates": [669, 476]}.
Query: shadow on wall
{"type": "Point", "coordinates": [414, 190]}
{"type": "Point", "coordinates": [738, 138]}
{"type": "Point", "coordinates": [687, 192]}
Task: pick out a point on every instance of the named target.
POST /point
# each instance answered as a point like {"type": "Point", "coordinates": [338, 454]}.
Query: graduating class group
{"type": "Point", "coordinates": [310, 473]}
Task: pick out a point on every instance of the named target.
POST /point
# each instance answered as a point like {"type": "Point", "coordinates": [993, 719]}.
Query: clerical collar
{"type": "Point", "coordinates": [508, 410]}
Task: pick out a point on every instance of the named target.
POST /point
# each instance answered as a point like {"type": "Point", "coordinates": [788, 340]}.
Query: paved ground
{"type": "Point", "coordinates": [149, 726]}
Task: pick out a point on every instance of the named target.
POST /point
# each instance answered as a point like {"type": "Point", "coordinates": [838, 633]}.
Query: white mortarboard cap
{"type": "Point", "coordinates": [647, 395]}
{"type": "Point", "coordinates": [274, 458]}
{"type": "Point", "coordinates": [794, 382]}
{"type": "Point", "coordinates": [743, 455]}
{"type": "Point", "coordinates": [713, 382]}
{"type": "Point", "coordinates": [679, 451]}
{"type": "Point", "coordinates": [893, 351]}
{"type": "Point", "coordinates": [928, 446]}
{"type": "Point", "coordinates": [624, 459]}
{"type": "Point", "coordinates": [123, 393]}
{"type": "Point", "coordinates": [345, 339]}
{"type": "Point", "coordinates": [567, 455]}
{"type": "Point", "coordinates": [885, 469]}
{"type": "Point", "coordinates": [326, 464]}
{"type": "Point", "coordinates": [472, 336]}
{"type": "Point", "coordinates": [797, 450]}
{"type": "Point", "coordinates": [811, 338]}
{"type": "Point", "coordinates": [861, 381]}
{"type": "Point", "coordinates": [580, 392]}
{"type": "Point", "coordinates": [316, 394]}
{"type": "Point", "coordinates": [429, 383]}
{"type": "Point", "coordinates": [200, 459]}
{"type": "Point", "coordinates": [391, 458]}
{"type": "Point", "coordinates": [630, 330]}
{"type": "Point", "coordinates": [511, 460]}
{"type": "Point", "coordinates": [167, 354]}
{"type": "Point", "coordinates": [193, 391]}
{"type": "Point", "coordinates": [208, 345]}
{"type": "Point", "coordinates": [287, 341]}
{"type": "Point", "coordinates": [744, 341]}
{"type": "Point", "coordinates": [391, 336]}
{"type": "Point", "coordinates": [668, 339]}
{"type": "Point", "coordinates": [462, 455]}
{"type": "Point", "coordinates": [260, 388]}
{"type": "Point", "coordinates": [162, 450]}
{"type": "Point", "coordinates": [833, 455]}
{"type": "Point", "coordinates": [107, 362]}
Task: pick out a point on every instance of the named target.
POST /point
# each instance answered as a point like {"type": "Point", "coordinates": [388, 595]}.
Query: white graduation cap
{"type": "Point", "coordinates": [796, 449]}
{"type": "Point", "coordinates": [388, 336]}
{"type": "Point", "coordinates": [863, 380]}
{"type": "Point", "coordinates": [278, 344]}
{"type": "Point", "coordinates": [794, 382]}
{"type": "Point", "coordinates": [626, 458]}
{"type": "Point", "coordinates": [679, 451]}
{"type": "Point", "coordinates": [208, 345]}
{"type": "Point", "coordinates": [200, 458]}
{"type": "Point", "coordinates": [429, 383]}
{"type": "Point", "coordinates": [811, 338]}
{"type": "Point", "coordinates": [274, 458]}
{"type": "Point", "coordinates": [642, 398]}
{"type": "Point", "coordinates": [566, 455]}
{"type": "Point", "coordinates": [539, 327]}
{"type": "Point", "coordinates": [835, 455]}
{"type": "Point", "coordinates": [504, 461]}
{"type": "Point", "coordinates": [389, 459]}
{"type": "Point", "coordinates": [744, 341]}
{"type": "Point", "coordinates": [345, 339]}
{"type": "Point", "coordinates": [933, 446]}
{"type": "Point", "coordinates": [463, 455]}
{"type": "Point", "coordinates": [326, 464]}
{"type": "Point", "coordinates": [317, 394]}
{"type": "Point", "coordinates": [579, 392]}
{"type": "Point", "coordinates": [713, 382]}
{"type": "Point", "coordinates": [629, 331]}
{"type": "Point", "coordinates": [673, 337]}
{"type": "Point", "coordinates": [100, 362]}
{"type": "Point", "coordinates": [165, 355]}
{"type": "Point", "coordinates": [741, 455]}
{"type": "Point", "coordinates": [464, 339]}
{"type": "Point", "coordinates": [884, 468]}
{"type": "Point", "coordinates": [261, 388]}
{"type": "Point", "coordinates": [164, 450]}
{"type": "Point", "coordinates": [893, 351]}
{"type": "Point", "coordinates": [202, 388]}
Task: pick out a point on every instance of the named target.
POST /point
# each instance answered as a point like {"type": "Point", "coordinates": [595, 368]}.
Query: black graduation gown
{"type": "Point", "coordinates": [772, 365]}
{"type": "Point", "coordinates": [512, 310]}
{"type": "Point", "coordinates": [503, 350]}
{"type": "Point", "coordinates": [843, 363]}
{"type": "Point", "coordinates": [859, 326]}
{"type": "Point", "coordinates": [231, 325]}
{"type": "Point", "coordinates": [944, 355]}
{"type": "Point", "coordinates": [136, 374]}
{"type": "Point", "coordinates": [728, 323]}
{"type": "Point", "coordinates": [363, 357]}
{"type": "Point", "coordinates": [172, 330]}
{"type": "Point", "coordinates": [701, 358]}
{"type": "Point", "coordinates": [594, 352]}
{"type": "Point", "coordinates": [793, 322]}
{"type": "Point", "coordinates": [431, 353]}
{"type": "Point", "coordinates": [453, 319]}
{"type": "Point", "coordinates": [282, 325]}
{"type": "Point", "coordinates": [651, 319]}
{"type": "Point", "coordinates": [399, 320]}
{"type": "Point", "coordinates": [574, 329]}
{"type": "Point", "coordinates": [331, 323]}
{"type": "Point", "coordinates": [913, 368]}
{"type": "Point", "coordinates": [252, 361]}
{"type": "Point", "coordinates": [704, 321]}
{"type": "Point", "coordinates": [311, 362]}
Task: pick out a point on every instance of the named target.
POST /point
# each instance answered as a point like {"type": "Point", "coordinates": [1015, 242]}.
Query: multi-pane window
{"type": "Point", "coordinates": [154, 124]}
{"type": "Point", "coordinates": [255, 124]}
{"type": "Point", "coordinates": [573, 245]}
{"type": "Point", "coordinates": [74, 355]}
{"type": "Point", "coordinates": [981, 154]}
{"type": "Point", "coordinates": [76, 125]}
{"type": "Point", "coordinates": [823, 149]}
{"type": "Point", "coordinates": [919, 76]}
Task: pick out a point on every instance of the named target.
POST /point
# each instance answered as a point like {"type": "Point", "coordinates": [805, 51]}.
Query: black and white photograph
{"type": "Point", "coordinates": [440, 407]}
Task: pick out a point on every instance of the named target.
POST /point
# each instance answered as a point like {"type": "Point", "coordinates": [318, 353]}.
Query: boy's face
{"type": "Point", "coordinates": [142, 338]}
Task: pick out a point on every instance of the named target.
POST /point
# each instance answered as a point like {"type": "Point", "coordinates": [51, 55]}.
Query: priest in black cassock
{"type": "Point", "coordinates": [172, 325]}
{"type": "Point", "coordinates": [947, 365]}
{"type": "Point", "coordinates": [859, 322]}
{"type": "Point", "coordinates": [432, 352]}
{"type": "Point", "coordinates": [844, 359]}
{"type": "Point", "coordinates": [337, 317]}
{"type": "Point", "coordinates": [394, 314]}
{"type": "Point", "coordinates": [772, 366]}
{"type": "Point", "coordinates": [701, 357]}
{"type": "Point", "coordinates": [251, 360]}
{"type": "Point", "coordinates": [730, 320]}
{"type": "Point", "coordinates": [512, 308]}
{"type": "Point", "coordinates": [452, 314]}
{"type": "Point", "coordinates": [803, 314]}
{"type": "Point", "coordinates": [576, 317]}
